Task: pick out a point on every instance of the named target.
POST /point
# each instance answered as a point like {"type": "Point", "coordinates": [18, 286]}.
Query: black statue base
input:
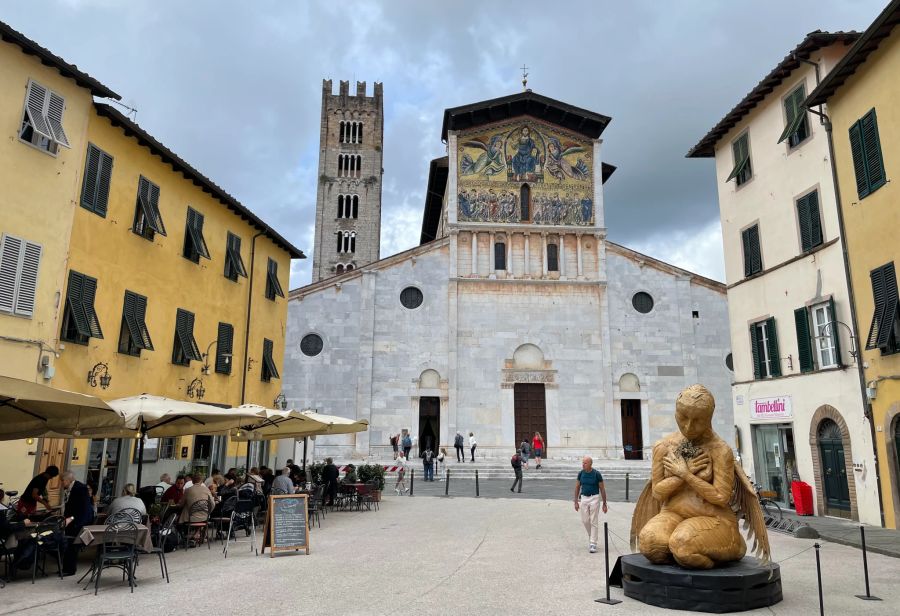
{"type": "Point", "coordinates": [735, 587]}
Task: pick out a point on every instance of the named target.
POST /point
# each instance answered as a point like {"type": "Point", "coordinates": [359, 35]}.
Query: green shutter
{"type": "Point", "coordinates": [195, 232]}
{"type": "Point", "coordinates": [803, 218]}
{"type": "Point", "coordinates": [804, 340]}
{"type": "Point", "coordinates": [103, 179]}
{"type": "Point", "coordinates": [774, 355]}
{"type": "Point", "coordinates": [859, 160]}
{"type": "Point", "coordinates": [754, 351]}
{"type": "Point", "coordinates": [752, 256]}
{"type": "Point", "coordinates": [224, 346]}
{"type": "Point", "coordinates": [184, 332]}
{"type": "Point", "coordinates": [74, 304]}
{"type": "Point", "coordinates": [91, 175]}
{"type": "Point", "coordinates": [872, 147]}
{"type": "Point", "coordinates": [273, 286]}
{"type": "Point", "coordinates": [88, 295]}
{"type": "Point", "coordinates": [815, 220]}
{"type": "Point", "coordinates": [740, 150]}
{"type": "Point", "coordinates": [836, 332]}
{"type": "Point", "coordinates": [745, 240]}
{"type": "Point", "coordinates": [269, 370]}
{"type": "Point", "coordinates": [795, 114]}
{"type": "Point", "coordinates": [135, 313]}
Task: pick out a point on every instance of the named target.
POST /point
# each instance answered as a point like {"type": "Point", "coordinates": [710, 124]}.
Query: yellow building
{"type": "Point", "coordinates": [861, 94]}
{"type": "Point", "coordinates": [165, 285]}
{"type": "Point", "coordinates": [44, 109]}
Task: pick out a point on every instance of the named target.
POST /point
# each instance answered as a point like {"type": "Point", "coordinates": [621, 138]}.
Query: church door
{"type": "Point", "coordinates": [530, 412]}
{"type": "Point", "coordinates": [632, 439]}
{"type": "Point", "coordinates": [429, 423]}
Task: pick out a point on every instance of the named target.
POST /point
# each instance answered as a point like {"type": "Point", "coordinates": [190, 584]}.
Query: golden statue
{"type": "Point", "coordinates": [689, 510]}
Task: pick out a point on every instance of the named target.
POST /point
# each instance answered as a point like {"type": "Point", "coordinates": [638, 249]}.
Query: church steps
{"type": "Point", "coordinates": [637, 470]}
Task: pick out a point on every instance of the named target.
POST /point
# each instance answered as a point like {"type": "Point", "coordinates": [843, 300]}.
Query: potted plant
{"type": "Point", "coordinates": [372, 472]}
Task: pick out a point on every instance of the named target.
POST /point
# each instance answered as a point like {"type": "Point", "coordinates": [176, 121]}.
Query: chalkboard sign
{"type": "Point", "coordinates": [286, 524]}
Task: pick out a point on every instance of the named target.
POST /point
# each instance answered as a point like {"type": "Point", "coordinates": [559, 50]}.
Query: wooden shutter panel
{"type": "Point", "coordinates": [103, 179]}
{"type": "Point", "coordinates": [140, 312]}
{"type": "Point", "coordinates": [804, 222]}
{"type": "Point", "coordinates": [804, 341]}
{"type": "Point", "coordinates": [88, 295]}
{"type": "Point", "coordinates": [27, 287]}
{"type": "Point", "coordinates": [745, 240]}
{"type": "Point", "coordinates": [55, 109]}
{"type": "Point", "coordinates": [859, 160]}
{"type": "Point", "coordinates": [184, 328]}
{"type": "Point", "coordinates": [224, 346]}
{"type": "Point", "coordinates": [835, 332]}
{"type": "Point", "coordinates": [774, 355]}
{"type": "Point", "coordinates": [754, 351]}
{"type": "Point", "coordinates": [91, 175]}
{"type": "Point", "coordinates": [890, 305]}
{"type": "Point", "coordinates": [34, 108]}
{"type": "Point", "coordinates": [74, 304]}
{"type": "Point", "coordinates": [878, 295]}
{"type": "Point", "coordinates": [815, 220]}
{"type": "Point", "coordinates": [10, 251]}
{"type": "Point", "coordinates": [872, 147]}
{"type": "Point", "coordinates": [270, 370]}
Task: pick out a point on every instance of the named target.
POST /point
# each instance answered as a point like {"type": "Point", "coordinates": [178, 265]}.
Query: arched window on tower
{"type": "Point", "coordinates": [339, 269]}
{"type": "Point", "coordinates": [356, 132]}
{"type": "Point", "coordinates": [358, 166]}
{"type": "Point", "coordinates": [340, 206]}
{"type": "Point", "coordinates": [349, 267]}
{"type": "Point", "coordinates": [340, 242]}
{"type": "Point", "coordinates": [341, 137]}
{"type": "Point", "coordinates": [355, 206]}
{"type": "Point", "coordinates": [359, 133]}
{"type": "Point", "coordinates": [340, 165]}
{"type": "Point", "coordinates": [525, 202]}
{"type": "Point", "coordinates": [352, 242]}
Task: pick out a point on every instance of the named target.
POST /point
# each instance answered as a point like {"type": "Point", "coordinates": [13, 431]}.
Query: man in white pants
{"type": "Point", "coordinates": [589, 489]}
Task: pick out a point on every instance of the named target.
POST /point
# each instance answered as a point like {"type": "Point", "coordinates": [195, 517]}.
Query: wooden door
{"type": "Point", "coordinates": [632, 435]}
{"type": "Point", "coordinates": [530, 412]}
{"type": "Point", "coordinates": [834, 468]}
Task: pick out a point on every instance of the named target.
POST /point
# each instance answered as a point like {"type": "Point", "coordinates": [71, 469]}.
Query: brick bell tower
{"type": "Point", "coordinates": [348, 201]}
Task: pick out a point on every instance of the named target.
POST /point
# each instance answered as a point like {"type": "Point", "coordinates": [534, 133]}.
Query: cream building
{"type": "Point", "coordinates": [798, 400]}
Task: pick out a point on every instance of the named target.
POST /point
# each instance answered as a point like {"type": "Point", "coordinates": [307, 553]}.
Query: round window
{"type": "Point", "coordinates": [729, 362]}
{"type": "Point", "coordinates": [311, 345]}
{"type": "Point", "coordinates": [642, 302]}
{"type": "Point", "coordinates": [411, 298]}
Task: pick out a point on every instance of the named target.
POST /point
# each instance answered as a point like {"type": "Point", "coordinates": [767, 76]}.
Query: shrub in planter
{"type": "Point", "coordinates": [370, 472]}
{"type": "Point", "coordinates": [314, 472]}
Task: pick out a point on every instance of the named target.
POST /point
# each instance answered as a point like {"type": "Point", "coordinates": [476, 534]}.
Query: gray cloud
{"type": "Point", "coordinates": [235, 88]}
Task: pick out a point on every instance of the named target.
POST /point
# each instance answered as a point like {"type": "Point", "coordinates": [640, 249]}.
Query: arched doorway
{"type": "Point", "coordinates": [834, 469]}
{"type": "Point", "coordinates": [632, 435]}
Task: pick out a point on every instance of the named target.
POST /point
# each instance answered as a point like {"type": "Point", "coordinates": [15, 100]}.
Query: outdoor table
{"type": "Point", "coordinates": [96, 533]}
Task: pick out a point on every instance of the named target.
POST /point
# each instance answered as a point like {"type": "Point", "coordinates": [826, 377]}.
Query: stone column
{"type": "Point", "coordinates": [509, 263]}
{"type": "Point", "coordinates": [544, 254]}
{"type": "Point", "coordinates": [562, 255]}
{"type": "Point", "coordinates": [474, 253]}
{"type": "Point", "coordinates": [527, 255]}
{"type": "Point", "coordinates": [492, 264]}
{"type": "Point", "coordinates": [578, 250]}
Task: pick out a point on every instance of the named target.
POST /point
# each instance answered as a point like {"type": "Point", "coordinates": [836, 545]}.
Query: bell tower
{"type": "Point", "coordinates": [348, 200]}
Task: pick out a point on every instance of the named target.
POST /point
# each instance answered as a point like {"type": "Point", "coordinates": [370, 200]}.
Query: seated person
{"type": "Point", "coordinates": [165, 481]}
{"type": "Point", "coordinates": [175, 492]}
{"type": "Point", "coordinates": [283, 482]}
{"type": "Point", "coordinates": [255, 478]}
{"type": "Point", "coordinates": [196, 493]}
{"type": "Point", "coordinates": [128, 500]}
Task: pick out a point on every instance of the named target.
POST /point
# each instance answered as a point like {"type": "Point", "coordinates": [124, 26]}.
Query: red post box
{"type": "Point", "coordinates": [803, 500]}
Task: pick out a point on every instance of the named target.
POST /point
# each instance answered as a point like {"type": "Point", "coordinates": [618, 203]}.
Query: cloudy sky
{"type": "Point", "coordinates": [235, 88]}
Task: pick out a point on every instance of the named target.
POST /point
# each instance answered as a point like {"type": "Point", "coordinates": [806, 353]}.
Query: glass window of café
{"type": "Point", "coordinates": [774, 460]}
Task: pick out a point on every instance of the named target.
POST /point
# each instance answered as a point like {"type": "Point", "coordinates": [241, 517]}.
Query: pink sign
{"type": "Point", "coordinates": [771, 408]}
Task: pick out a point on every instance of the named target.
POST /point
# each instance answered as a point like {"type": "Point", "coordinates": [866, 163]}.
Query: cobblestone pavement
{"type": "Point", "coordinates": [429, 555]}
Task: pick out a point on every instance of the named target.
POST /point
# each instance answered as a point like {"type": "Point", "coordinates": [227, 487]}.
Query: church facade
{"type": "Point", "coordinates": [515, 314]}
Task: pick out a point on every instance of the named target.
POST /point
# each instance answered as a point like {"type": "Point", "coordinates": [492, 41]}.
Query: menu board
{"type": "Point", "coordinates": [286, 524]}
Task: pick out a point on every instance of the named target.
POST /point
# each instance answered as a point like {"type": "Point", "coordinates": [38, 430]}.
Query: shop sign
{"type": "Point", "coordinates": [778, 407]}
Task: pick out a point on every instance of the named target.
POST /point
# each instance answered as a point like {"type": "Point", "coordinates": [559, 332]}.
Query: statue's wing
{"type": "Point", "coordinates": [474, 143]}
{"type": "Point", "coordinates": [645, 508]}
{"type": "Point", "coordinates": [572, 150]}
{"type": "Point", "coordinates": [745, 503]}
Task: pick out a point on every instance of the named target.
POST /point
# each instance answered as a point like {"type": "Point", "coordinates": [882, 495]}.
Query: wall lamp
{"type": "Point", "coordinates": [196, 389]}
{"type": "Point", "coordinates": [280, 402]}
{"type": "Point", "coordinates": [226, 356]}
{"type": "Point", "coordinates": [853, 352]}
{"type": "Point", "coordinates": [101, 371]}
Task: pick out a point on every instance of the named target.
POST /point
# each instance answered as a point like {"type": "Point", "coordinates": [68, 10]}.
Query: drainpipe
{"type": "Point", "coordinates": [247, 329]}
{"type": "Point", "coordinates": [867, 406]}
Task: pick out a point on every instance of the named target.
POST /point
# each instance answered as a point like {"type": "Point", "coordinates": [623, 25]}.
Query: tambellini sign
{"type": "Point", "coordinates": [771, 408]}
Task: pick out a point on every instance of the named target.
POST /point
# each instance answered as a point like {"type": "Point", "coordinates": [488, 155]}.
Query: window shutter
{"type": "Point", "coordinates": [815, 220]}
{"type": "Point", "coordinates": [91, 175]}
{"type": "Point", "coordinates": [88, 295]}
{"type": "Point", "coordinates": [803, 219]}
{"type": "Point", "coordinates": [55, 111]}
{"type": "Point", "coordinates": [859, 160]}
{"type": "Point", "coordinates": [886, 323]}
{"type": "Point", "coordinates": [135, 318]}
{"type": "Point", "coordinates": [273, 286]}
{"type": "Point", "coordinates": [878, 295]}
{"type": "Point", "coordinates": [75, 305]}
{"type": "Point", "coordinates": [34, 108]}
{"type": "Point", "coordinates": [156, 217]}
{"type": "Point", "coordinates": [103, 180]}
{"type": "Point", "coordinates": [754, 351]}
{"type": "Point", "coordinates": [804, 341]}
{"type": "Point", "coordinates": [27, 287]}
{"type": "Point", "coordinates": [195, 232]}
{"type": "Point", "coordinates": [872, 147]}
{"type": "Point", "coordinates": [794, 113]}
{"type": "Point", "coordinates": [10, 250]}
{"type": "Point", "coordinates": [774, 355]}
{"type": "Point", "coordinates": [224, 347]}
{"type": "Point", "coordinates": [184, 329]}
{"type": "Point", "coordinates": [745, 240]}
{"type": "Point", "coordinates": [835, 332]}
{"type": "Point", "coordinates": [270, 371]}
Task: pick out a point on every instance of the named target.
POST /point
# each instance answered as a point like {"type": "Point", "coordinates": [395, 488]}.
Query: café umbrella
{"type": "Point", "coordinates": [30, 410]}
{"type": "Point", "coordinates": [296, 424]}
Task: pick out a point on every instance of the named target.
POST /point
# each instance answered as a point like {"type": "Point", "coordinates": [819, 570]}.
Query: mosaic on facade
{"type": "Point", "coordinates": [555, 169]}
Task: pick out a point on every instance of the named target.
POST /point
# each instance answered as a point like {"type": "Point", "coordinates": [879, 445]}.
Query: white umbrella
{"type": "Point", "coordinates": [32, 410]}
{"type": "Point", "coordinates": [296, 424]}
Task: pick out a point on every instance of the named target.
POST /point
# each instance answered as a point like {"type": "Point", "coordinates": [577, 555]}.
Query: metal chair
{"type": "Point", "coordinates": [198, 521]}
{"type": "Point", "coordinates": [119, 550]}
{"type": "Point", "coordinates": [167, 529]}
{"type": "Point", "coordinates": [316, 504]}
{"type": "Point", "coordinates": [224, 515]}
{"type": "Point", "coordinates": [129, 514]}
{"type": "Point", "coordinates": [241, 516]}
{"type": "Point", "coordinates": [48, 537]}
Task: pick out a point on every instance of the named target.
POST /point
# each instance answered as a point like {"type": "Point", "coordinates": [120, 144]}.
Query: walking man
{"type": "Point", "coordinates": [428, 461]}
{"type": "Point", "coordinates": [589, 489]}
{"type": "Point", "coordinates": [407, 445]}
{"type": "Point", "coordinates": [395, 445]}
{"type": "Point", "coordinates": [472, 444]}
{"type": "Point", "coordinates": [459, 443]}
{"type": "Point", "coordinates": [516, 462]}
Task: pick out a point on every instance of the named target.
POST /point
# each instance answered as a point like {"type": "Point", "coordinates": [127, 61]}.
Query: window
{"type": "Point", "coordinates": [742, 171]}
{"type": "Point", "coordinates": [273, 287]}
{"type": "Point", "coordinates": [552, 258]}
{"type": "Point", "coordinates": [224, 347]}
{"type": "Point", "coordinates": [868, 163]}
{"type": "Point", "coordinates": [729, 362]}
{"type": "Point", "coordinates": [884, 332]}
{"type": "Point", "coordinates": [818, 347]}
{"type": "Point", "coordinates": [809, 220]}
{"type": "Point", "coordinates": [42, 121]}
{"type": "Point", "coordinates": [764, 349]}
{"type": "Point", "coordinates": [411, 298]}
{"type": "Point", "coordinates": [348, 206]}
{"type": "Point", "coordinates": [167, 448]}
{"type": "Point", "coordinates": [234, 264]}
{"type": "Point", "coordinates": [185, 347]}
{"type": "Point", "coordinates": [311, 345]}
{"type": "Point", "coordinates": [355, 210]}
{"type": "Point", "coordinates": [752, 255]}
{"type": "Point", "coordinates": [642, 302]}
{"type": "Point", "coordinates": [194, 242]}
{"type": "Point", "coordinates": [500, 255]}
{"type": "Point", "coordinates": [269, 371]}
{"type": "Point", "coordinates": [95, 186]}
{"type": "Point", "coordinates": [351, 132]}
{"type": "Point", "coordinates": [134, 335]}
{"type": "Point", "coordinates": [147, 219]}
{"type": "Point", "coordinates": [339, 269]}
{"type": "Point", "coordinates": [796, 124]}
{"type": "Point", "coordinates": [525, 202]}
{"type": "Point", "coordinates": [20, 261]}
{"type": "Point", "coordinates": [80, 322]}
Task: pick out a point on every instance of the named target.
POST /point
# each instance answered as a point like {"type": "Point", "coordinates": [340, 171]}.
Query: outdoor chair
{"type": "Point", "coordinates": [128, 514]}
{"type": "Point", "coordinates": [49, 539]}
{"type": "Point", "coordinates": [367, 497]}
{"type": "Point", "coordinates": [223, 517]}
{"type": "Point", "coordinates": [242, 517]}
{"type": "Point", "coordinates": [316, 505]}
{"type": "Point", "coordinates": [167, 529]}
{"type": "Point", "coordinates": [198, 522]}
{"type": "Point", "coordinates": [277, 491]}
{"type": "Point", "coordinates": [118, 550]}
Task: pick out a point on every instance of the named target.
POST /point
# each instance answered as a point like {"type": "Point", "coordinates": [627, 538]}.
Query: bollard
{"type": "Point", "coordinates": [868, 596]}
{"type": "Point", "coordinates": [627, 500]}
{"type": "Point", "coordinates": [412, 480]}
{"type": "Point", "coordinates": [607, 600]}
{"type": "Point", "coordinates": [819, 577]}
{"type": "Point", "coordinates": [477, 492]}
{"type": "Point", "coordinates": [447, 483]}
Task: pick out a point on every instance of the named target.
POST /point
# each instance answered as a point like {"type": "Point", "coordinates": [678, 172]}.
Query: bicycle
{"type": "Point", "coordinates": [771, 509]}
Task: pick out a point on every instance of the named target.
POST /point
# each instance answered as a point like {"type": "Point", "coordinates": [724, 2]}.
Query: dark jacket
{"type": "Point", "coordinates": [78, 506]}
{"type": "Point", "coordinates": [330, 473]}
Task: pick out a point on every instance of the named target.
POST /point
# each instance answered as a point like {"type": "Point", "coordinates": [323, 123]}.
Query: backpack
{"type": "Point", "coordinates": [459, 441]}
{"type": "Point", "coordinates": [516, 461]}
{"type": "Point", "coordinates": [407, 441]}
{"type": "Point", "coordinates": [393, 440]}
{"type": "Point", "coordinates": [428, 455]}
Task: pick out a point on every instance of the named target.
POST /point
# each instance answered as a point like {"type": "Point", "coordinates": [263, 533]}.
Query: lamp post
{"type": "Point", "coordinates": [280, 402]}
{"type": "Point", "coordinates": [824, 332]}
{"type": "Point", "coordinates": [99, 371]}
